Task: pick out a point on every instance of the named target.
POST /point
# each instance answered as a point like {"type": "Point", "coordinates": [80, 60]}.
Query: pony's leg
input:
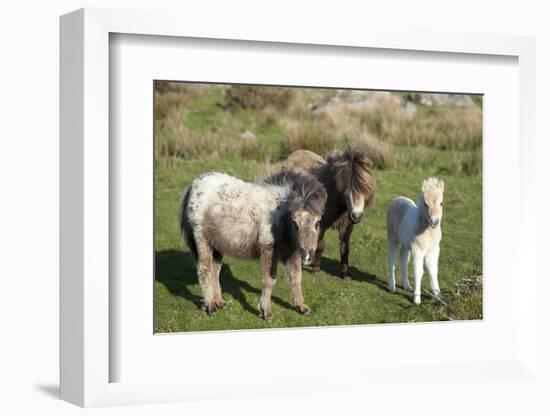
{"type": "Point", "coordinates": [269, 272]}
{"type": "Point", "coordinates": [392, 255]}
{"type": "Point", "coordinates": [205, 258]}
{"type": "Point", "coordinates": [294, 274]}
{"type": "Point", "coordinates": [405, 255]}
{"type": "Point", "coordinates": [432, 260]}
{"type": "Point", "coordinates": [216, 268]}
{"type": "Point", "coordinates": [345, 234]}
{"type": "Point", "coordinates": [418, 266]}
{"type": "Point", "coordinates": [316, 267]}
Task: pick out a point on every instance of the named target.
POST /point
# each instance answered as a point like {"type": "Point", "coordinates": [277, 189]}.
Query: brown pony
{"type": "Point", "coordinates": [350, 186]}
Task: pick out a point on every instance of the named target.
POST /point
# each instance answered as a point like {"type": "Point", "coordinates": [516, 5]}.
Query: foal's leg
{"type": "Point", "coordinates": [269, 278]}
{"type": "Point", "coordinates": [294, 274]}
{"type": "Point", "coordinates": [418, 266]}
{"type": "Point", "coordinates": [432, 260]}
{"type": "Point", "coordinates": [205, 260]}
{"type": "Point", "coordinates": [392, 255]}
{"type": "Point", "coordinates": [216, 268]}
{"type": "Point", "coordinates": [345, 234]}
{"type": "Point", "coordinates": [316, 267]}
{"type": "Point", "coordinates": [405, 254]}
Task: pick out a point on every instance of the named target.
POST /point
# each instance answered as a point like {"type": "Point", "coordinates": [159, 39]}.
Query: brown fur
{"type": "Point", "coordinates": [352, 172]}
{"type": "Point", "coordinates": [347, 176]}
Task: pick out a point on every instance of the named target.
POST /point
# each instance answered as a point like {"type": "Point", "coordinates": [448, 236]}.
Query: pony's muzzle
{"type": "Point", "coordinates": [356, 217]}
{"type": "Point", "coordinates": [434, 222]}
{"type": "Point", "coordinates": [307, 256]}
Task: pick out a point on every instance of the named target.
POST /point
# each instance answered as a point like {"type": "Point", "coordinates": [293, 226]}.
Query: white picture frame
{"type": "Point", "coordinates": [85, 353]}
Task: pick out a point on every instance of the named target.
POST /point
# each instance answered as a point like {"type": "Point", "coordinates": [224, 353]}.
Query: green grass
{"type": "Point", "coordinates": [362, 300]}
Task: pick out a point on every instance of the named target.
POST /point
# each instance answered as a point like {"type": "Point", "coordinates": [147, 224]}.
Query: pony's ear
{"type": "Point", "coordinates": [425, 185]}
{"type": "Point", "coordinates": [334, 155]}
{"type": "Point", "coordinates": [441, 185]}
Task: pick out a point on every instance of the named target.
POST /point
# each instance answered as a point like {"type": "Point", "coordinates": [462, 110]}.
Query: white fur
{"type": "Point", "coordinates": [416, 228]}
{"type": "Point", "coordinates": [206, 191]}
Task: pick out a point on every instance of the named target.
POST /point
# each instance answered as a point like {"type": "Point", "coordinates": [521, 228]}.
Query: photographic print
{"type": "Point", "coordinates": [279, 207]}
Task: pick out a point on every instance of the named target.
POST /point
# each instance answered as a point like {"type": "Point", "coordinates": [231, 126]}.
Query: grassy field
{"type": "Point", "coordinates": [197, 131]}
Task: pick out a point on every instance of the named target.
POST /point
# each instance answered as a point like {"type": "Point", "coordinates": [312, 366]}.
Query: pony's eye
{"type": "Point", "coordinates": [441, 204]}
{"type": "Point", "coordinates": [317, 224]}
{"type": "Point", "coordinates": [295, 224]}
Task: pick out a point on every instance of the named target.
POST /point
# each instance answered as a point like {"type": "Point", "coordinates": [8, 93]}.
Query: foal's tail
{"type": "Point", "coordinates": [186, 229]}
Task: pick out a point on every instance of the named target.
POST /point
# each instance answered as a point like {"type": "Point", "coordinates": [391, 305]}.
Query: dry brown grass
{"type": "Point", "coordinates": [194, 121]}
{"type": "Point", "coordinates": [381, 153]}
{"type": "Point", "coordinates": [449, 128]}
{"type": "Point", "coordinates": [169, 96]}
{"type": "Point", "coordinates": [268, 168]}
{"type": "Point", "coordinates": [257, 97]}
{"type": "Point", "coordinates": [307, 135]}
{"type": "Point", "coordinates": [178, 141]}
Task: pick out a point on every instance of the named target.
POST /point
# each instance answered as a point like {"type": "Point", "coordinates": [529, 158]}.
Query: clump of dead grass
{"type": "Point", "coordinates": [444, 127]}
{"type": "Point", "coordinates": [268, 168]}
{"type": "Point", "coordinates": [175, 140]}
{"type": "Point", "coordinates": [380, 153]}
{"type": "Point", "coordinates": [257, 97]}
{"type": "Point", "coordinates": [307, 135]}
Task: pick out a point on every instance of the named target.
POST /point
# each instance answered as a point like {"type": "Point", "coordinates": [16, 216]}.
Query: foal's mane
{"type": "Point", "coordinates": [306, 191]}
{"type": "Point", "coordinates": [352, 171]}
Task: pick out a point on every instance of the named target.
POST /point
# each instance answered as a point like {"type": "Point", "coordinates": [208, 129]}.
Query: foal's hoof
{"type": "Point", "coordinates": [303, 309]}
{"type": "Point", "coordinates": [221, 305]}
{"type": "Point", "coordinates": [315, 270]}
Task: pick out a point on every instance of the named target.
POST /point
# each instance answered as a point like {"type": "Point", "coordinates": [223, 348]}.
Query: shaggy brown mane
{"type": "Point", "coordinates": [307, 192]}
{"type": "Point", "coordinates": [352, 172]}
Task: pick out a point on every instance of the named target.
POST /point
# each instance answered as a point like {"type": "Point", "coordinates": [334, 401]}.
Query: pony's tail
{"type": "Point", "coordinates": [185, 227]}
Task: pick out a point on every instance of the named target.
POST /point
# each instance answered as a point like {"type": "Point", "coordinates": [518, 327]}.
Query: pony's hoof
{"type": "Point", "coordinates": [304, 309]}
{"type": "Point", "coordinates": [315, 270]}
{"type": "Point", "coordinates": [221, 305]}
{"type": "Point", "coordinates": [417, 299]}
{"type": "Point", "coordinates": [392, 289]}
{"type": "Point", "coordinates": [266, 316]}
{"type": "Point", "coordinates": [345, 276]}
{"type": "Point", "coordinates": [210, 309]}
{"type": "Point", "coordinates": [437, 294]}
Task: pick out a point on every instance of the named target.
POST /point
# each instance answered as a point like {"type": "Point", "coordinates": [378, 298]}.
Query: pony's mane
{"type": "Point", "coordinates": [306, 191]}
{"type": "Point", "coordinates": [352, 171]}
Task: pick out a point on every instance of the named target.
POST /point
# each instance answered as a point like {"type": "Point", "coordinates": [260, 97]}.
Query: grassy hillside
{"type": "Point", "coordinates": [201, 129]}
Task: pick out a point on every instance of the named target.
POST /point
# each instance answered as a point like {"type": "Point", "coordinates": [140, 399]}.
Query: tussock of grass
{"type": "Point", "coordinates": [448, 128]}
{"type": "Point", "coordinates": [381, 153]}
{"type": "Point", "coordinates": [307, 135]}
{"type": "Point", "coordinates": [467, 301]}
{"type": "Point", "coordinates": [257, 97]}
{"type": "Point", "coordinates": [268, 168]}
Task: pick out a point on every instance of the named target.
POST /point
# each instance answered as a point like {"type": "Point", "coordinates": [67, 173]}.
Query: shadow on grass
{"type": "Point", "coordinates": [176, 271]}
{"type": "Point", "coordinates": [332, 267]}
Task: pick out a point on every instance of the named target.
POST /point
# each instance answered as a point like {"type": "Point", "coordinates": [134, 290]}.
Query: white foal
{"type": "Point", "coordinates": [417, 229]}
